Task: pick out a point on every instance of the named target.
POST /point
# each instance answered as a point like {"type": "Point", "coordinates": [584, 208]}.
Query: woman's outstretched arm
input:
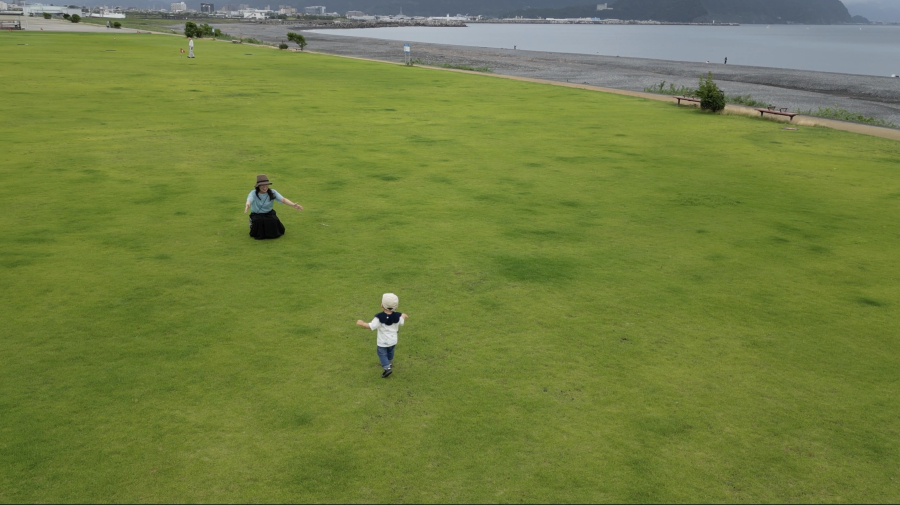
{"type": "Point", "coordinates": [292, 204]}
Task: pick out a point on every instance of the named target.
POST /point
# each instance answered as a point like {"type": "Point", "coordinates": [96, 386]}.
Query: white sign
{"type": "Point", "coordinates": [405, 48]}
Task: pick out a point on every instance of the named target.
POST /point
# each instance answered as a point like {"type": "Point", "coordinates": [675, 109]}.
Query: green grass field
{"type": "Point", "coordinates": [155, 23]}
{"type": "Point", "coordinates": [611, 299]}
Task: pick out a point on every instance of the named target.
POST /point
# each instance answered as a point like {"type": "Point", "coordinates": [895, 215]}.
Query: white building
{"type": "Point", "coordinates": [315, 10]}
{"type": "Point", "coordinates": [37, 9]}
{"type": "Point", "coordinates": [178, 7]}
{"type": "Point", "coordinates": [253, 14]}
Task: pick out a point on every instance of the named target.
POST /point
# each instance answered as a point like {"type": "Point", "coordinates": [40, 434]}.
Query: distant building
{"type": "Point", "coordinates": [178, 7]}
{"type": "Point", "coordinates": [287, 9]}
{"type": "Point", "coordinates": [355, 14]}
{"type": "Point", "coordinates": [207, 8]}
{"type": "Point", "coordinates": [603, 7]}
{"type": "Point", "coordinates": [36, 8]}
{"type": "Point", "coordinates": [315, 10]}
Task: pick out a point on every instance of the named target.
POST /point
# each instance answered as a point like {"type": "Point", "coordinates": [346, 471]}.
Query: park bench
{"type": "Point", "coordinates": [780, 112]}
{"type": "Point", "coordinates": [686, 99]}
{"type": "Point", "coordinates": [10, 25]}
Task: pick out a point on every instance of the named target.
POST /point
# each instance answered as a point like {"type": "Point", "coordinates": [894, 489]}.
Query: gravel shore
{"type": "Point", "coordinates": [877, 97]}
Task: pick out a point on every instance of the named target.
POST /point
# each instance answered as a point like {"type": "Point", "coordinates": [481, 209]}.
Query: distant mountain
{"type": "Point", "coordinates": [705, 11]}
{"type": "Point", "coordinates": [885, 11]}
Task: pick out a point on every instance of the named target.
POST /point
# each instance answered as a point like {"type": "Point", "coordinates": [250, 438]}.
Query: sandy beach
{"type": "Point", "coordinates": [877, 97]}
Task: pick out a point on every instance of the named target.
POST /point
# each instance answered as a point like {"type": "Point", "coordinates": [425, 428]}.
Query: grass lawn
{"type": "Point", "coordinates": [611, 299]}
{"type": "Point", "coordinates": [154, 23]}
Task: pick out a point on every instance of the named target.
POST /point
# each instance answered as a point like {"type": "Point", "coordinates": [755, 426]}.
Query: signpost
{"type": "Point", "coordinates": [406, 54]}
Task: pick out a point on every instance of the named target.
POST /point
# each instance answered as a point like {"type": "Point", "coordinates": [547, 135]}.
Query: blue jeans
{"type": "Point", "coordinates": [385, 356]}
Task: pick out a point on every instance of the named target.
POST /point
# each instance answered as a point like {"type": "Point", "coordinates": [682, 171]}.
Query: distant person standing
{"type": "Point", "coordinates": [107, 24]}
{"type": "Point", "coordinates": [190, 47]}
{"type": "Point", "coordinates": [726, 60]}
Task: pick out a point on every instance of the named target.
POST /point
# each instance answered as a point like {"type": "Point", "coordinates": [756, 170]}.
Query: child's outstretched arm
{"type": "Point", "coordinates": [360, 322]}
{"type": "Point", "coordinates": [404, 315]}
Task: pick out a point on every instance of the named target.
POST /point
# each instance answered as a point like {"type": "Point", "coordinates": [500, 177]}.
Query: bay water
{"type": "Point", "coordinates": [849, 49]}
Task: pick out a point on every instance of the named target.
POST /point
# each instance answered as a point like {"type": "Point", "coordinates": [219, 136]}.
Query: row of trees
{"type": "Point", "coordinates": [194, 30]}
{"type": "Point", "coordinates": [191, 29]}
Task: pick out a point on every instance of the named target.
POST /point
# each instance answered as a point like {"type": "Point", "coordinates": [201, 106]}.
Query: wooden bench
{"type": "Point", "coordinates": [686, 99]}
{"type": "Point", "coordinates": [780, 112]}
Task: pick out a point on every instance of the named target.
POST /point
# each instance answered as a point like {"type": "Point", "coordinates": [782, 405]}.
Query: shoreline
{"type": "Point", "coordinates": [872, 96]}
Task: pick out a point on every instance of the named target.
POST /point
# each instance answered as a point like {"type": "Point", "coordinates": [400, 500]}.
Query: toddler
{"type": "Point", "coordinates": [387, 324]}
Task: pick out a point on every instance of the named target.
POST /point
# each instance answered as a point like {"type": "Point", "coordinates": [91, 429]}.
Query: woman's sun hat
{"type": "Point", "coordinates": [390, 301]}
{"type": "Point", "coordinates": [262, 179]}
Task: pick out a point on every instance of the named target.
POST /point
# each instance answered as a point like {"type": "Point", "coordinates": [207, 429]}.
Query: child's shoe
{"type": "Point", "coordinates": [387, 371]}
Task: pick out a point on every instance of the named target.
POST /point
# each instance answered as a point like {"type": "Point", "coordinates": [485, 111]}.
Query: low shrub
{"type": "Point", "coordinates": [66, 16]}
{"type": "Point", "coordinates": [251, 41]}
{"type": "Point", "coordinates": [419, 61]}
{"type": "Point", "coordinates": [845, 115]}
{"type": "Point", "coordinates": [711, 97]}
{"type": "Point", "coordinates": [464, 67]}
{"type": "Point", "coordinates": [661, 89]}
{"type": "Point", "coordinates": [282, 46]}
{"type": "Point", "coordinates": [117, 24]}
{"type": "Point", "coordinates": [747, 100]}
{"type": "Point", "coordinates": [75, 18]}
{"type": "Point", "coordinates": [47, 15]}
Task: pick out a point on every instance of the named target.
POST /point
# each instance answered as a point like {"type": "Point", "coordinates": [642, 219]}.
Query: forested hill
{"type": "Point", "coordinates": [706, 11]}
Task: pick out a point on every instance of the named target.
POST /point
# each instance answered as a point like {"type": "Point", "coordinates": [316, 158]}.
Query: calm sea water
{"type": "Point", "coordinates": [867, 50]}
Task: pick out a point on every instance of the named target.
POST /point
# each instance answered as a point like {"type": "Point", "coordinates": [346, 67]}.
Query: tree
{"type": "Point", "coordinates": [711, 97]}
{"type": "Point", "coordinates": [75, 18]}
{"type": "Point", "coordinates": [47, 15]}
{"type": "Point", "coordinates": [298, 39]}
{"type": "Point", "coordinates": [191, 29]}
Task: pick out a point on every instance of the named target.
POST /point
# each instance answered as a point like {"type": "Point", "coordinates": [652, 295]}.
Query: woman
{"type": "Point", "coordinates": [263, 221]}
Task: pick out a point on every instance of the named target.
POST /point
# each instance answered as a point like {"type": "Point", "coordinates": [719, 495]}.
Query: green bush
{"type": "Point", "coordinates": [117, 24]}
{"type": "Point", "coordinates": [66, 16]}
{"type": "Point", "coordinates": [47, 15]}
{"type": "Point", "coordinates": [298, 39]}
{"type": "Point", "coordinates": [711, 97]}
{"type": "Point", "coordinates": [671, 90]}
{"type": "Point", "coordinates": [282, 46]}
{"type": "Point", "coordinates": [191, 29]}
{"type": "Point", "coordinates": [846, 115]}
{"type": "Point", "coordinates": [75, 18]}
{"type": "Point", "coordinates": [747, 100]}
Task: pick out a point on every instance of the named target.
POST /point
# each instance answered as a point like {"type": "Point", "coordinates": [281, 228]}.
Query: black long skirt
{"type": "Point", "coordinates": [265, 225]}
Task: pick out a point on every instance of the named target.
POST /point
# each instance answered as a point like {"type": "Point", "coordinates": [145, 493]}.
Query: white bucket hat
{"type": "Point", "coordinates": [390, 301]}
